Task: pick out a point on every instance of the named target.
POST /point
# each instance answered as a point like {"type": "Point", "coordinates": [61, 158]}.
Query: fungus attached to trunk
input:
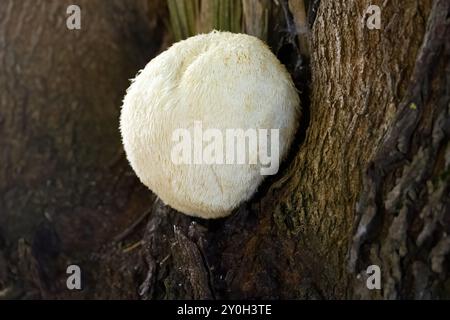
{"type": "Point", "coordinates": [205, 120]}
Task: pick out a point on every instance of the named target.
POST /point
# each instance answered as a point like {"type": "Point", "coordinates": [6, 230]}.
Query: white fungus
{"type": "Point", "coordinates": [211, 82]}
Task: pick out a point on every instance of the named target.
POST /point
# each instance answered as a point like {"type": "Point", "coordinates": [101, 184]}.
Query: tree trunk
{"type": "Point", "coordinates": [366, 183]}
{"type": "Point", "coordinates": [65, 184]}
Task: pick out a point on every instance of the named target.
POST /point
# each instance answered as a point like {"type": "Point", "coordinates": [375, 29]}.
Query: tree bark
{"type": "Point", "coordinates": [295, 238]}
{"type": "Point", "coordinates": [65, 184]}
{"type": "Point", "coordinates": [366, 182]}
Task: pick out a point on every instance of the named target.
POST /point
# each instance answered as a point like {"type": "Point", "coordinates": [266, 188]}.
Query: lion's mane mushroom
{"type": "Point", "coordinates": [221, 81]}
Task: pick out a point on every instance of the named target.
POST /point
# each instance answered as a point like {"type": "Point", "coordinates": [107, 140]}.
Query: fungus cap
{"type": "Point", "coordinates": [221, 81]}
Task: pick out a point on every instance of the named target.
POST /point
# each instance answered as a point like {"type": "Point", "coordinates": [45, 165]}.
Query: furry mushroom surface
{"type": "Point", "coordinates": [183, 109]}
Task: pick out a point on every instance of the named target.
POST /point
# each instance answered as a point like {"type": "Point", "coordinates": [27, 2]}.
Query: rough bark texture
{"type": "Point", "coordinates": [404, 208]}
{"type": "Point", "coordinates": [367, 180]}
